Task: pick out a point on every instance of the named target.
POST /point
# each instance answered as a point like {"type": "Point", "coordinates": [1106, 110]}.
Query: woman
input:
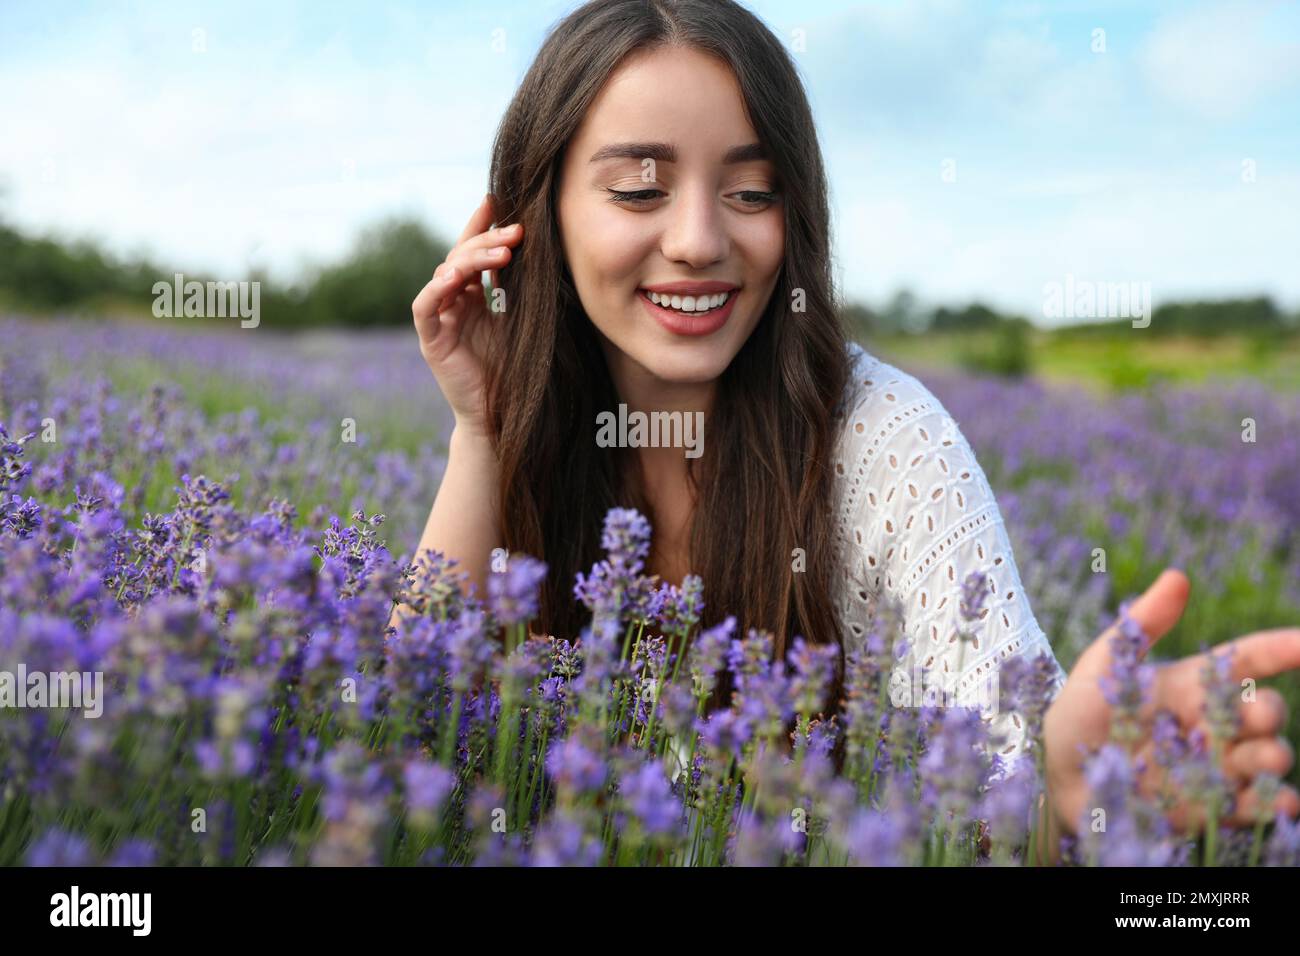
{"type": "Point", "coordinates": [668, 251]}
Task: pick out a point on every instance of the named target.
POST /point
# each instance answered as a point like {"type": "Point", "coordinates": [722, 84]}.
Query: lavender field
{"type": "Point", "coordinates": [220, 521]}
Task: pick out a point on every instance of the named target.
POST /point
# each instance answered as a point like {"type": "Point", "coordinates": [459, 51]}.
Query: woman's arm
{"type": "Point", "coordinates": [451, 318]}
{"type": "Point", "coordinates": [463, 522]}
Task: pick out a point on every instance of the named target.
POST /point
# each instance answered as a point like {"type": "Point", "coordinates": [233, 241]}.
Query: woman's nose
{"type": "Point", "coordinates": [695, 232]}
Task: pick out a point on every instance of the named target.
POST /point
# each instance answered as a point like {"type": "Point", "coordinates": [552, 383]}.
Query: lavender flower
{"type": "Point", "coordinates": [814, 667]}
{"type": "Point", "coordinates": [875, 839]}
{"type": "Point", "coordinates": [1118, 827]}
{"type": "Point", "coordinates": [646, 794]}
{"type": "Point", "coordinates": [230, 577]}
{"type": "Point", "coordinates": [725, 731]}
{"type": "Point", "coordinates": [975, 589]}
{"type": "Point", "coordinates": [512, 595]}
{"type": "Point", "coordinates": [564, 841]}
{"type": "Point", "coordinates": [616, 586]}
{"type": "Point", "coordinates": [1221, 697]}
{"type": "Point", "coordinates": [1170, 747]}
{"type": "Point", "coordinates": [1127, 687]}
{"type": "Point", "coordinates": [1006, 806]}
{"type": "Point", "coordinates": [763, 842]}
{"type": "Point", "coordinates": [1284, 844]}
{"type": "Point", "coordinates": [12, 471]}
{"type": "Point", "coordinates": [469, 650]}
{"type": "Point", "coordinates": [626, 539]}
{"type": "Point", "coordinates": [954, 765]}
{"type": "Point", "coordinates": [134, 852]}
{"type": "Point", "coordinates": [576, 767]}
{"type": "Point", "coordinates": [427, 787]}
{"type": "Point", "coordinates": [679, 608]}
{"type": "Point", "coordinates": [60, 848]}
{"type": "Point", "coordinates": [707, 654]}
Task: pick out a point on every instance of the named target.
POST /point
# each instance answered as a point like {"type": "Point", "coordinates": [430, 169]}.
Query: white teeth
{"type": "Point", "coordinates": [689, 303]}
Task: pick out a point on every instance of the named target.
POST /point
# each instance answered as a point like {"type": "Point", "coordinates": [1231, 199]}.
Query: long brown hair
{"type": "Point", "coordinates": [764, 487]}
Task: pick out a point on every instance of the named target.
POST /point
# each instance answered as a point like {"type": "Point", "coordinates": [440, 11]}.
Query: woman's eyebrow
{"type": "Point", "coordinates": [667, 153]}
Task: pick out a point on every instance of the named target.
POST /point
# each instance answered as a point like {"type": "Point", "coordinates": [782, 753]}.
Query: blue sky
{"type": "Point", "coordinates": [271, 137]}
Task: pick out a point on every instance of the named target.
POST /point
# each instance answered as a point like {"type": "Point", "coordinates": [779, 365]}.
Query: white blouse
{"type": "Point", "coordinates": [914, 516]}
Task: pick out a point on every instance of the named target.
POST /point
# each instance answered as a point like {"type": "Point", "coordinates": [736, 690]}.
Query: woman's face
{"type": "Point", "coordinates": [695, 215]}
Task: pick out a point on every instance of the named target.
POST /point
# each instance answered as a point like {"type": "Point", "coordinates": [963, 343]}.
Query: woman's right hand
{"type": "Point", "coordinates": [453, 319]}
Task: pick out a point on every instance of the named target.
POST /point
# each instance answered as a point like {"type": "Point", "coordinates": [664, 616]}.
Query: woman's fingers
{"type": "Point", "coordinates": [1179, 687]}
{"type": "Point", "coordinates": [479, 220]}
{"type": "Point", "coordinates": [1193, 817]}
{"type": "Point", "coordinates": [1247, 809]}
{"type": "Point", "coordinates": [1156, 612]}
{"type": "Point", "coordinates": [1158, 609]}
{"type": "Point", "coordinates": [431, 299]}
{"type": "Point", "coordinates": [445, 301]}
{"type": "Point", "coordinates": [1247, 760]}
{"type": "Point", "coordinates": [488, 251]}
{"type": "Point", "coordinates": [491, 246]}
{"type": "Point", "coordinates": [1264, 716]}
{"type": "Point", "coordinates": [465, 264]}
{"type": "Point", "coordinates": [1265, 653]}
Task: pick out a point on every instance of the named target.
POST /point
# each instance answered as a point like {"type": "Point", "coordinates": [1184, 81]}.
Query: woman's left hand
{"type": "Point", "coordinates": [1079, 719]}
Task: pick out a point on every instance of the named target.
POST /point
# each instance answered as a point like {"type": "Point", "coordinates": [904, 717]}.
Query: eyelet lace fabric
{"type": "Point", "coordinates": [914, 515]}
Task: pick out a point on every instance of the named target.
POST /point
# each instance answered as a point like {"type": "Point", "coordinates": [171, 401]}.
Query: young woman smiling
{"type": "Point", "coordinates": [668, 147]}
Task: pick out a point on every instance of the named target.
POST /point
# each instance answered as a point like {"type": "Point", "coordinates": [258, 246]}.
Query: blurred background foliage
{"type": "Point", "coordinates": [389, 262]}
{"type": "Point", "coordinates": [372, 286]}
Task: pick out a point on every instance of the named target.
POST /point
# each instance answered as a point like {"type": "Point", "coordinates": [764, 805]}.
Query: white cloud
{"type": "Point", "coordinates": [1187, 240]}
{"type": "Point", "coordinates": [271, 150]}
{"type": "Point", "coordinates": [1220, 61]}
{"type": "Point", "coordinates": [211, 162]}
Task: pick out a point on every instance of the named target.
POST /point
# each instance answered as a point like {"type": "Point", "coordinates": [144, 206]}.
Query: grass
{"type": "Point", "coordinates": [1129, 359]}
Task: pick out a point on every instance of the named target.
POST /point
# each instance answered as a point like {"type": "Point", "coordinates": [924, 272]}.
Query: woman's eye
{"type": "Point", "coordinates": [636, 196]}
{"type": "Point", "coordinates": [752, 197]}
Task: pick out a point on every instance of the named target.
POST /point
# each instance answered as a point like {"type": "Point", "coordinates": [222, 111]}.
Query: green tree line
{"type": "Point", "coordinates": [374, 283]}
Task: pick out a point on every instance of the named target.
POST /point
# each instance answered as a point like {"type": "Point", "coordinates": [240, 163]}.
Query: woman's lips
{"type": "Point", "coordinates": [682, 323]}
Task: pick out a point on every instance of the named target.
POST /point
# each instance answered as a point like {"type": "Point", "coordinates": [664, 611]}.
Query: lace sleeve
{"type": "Point", "coordinates": [917, 515]}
